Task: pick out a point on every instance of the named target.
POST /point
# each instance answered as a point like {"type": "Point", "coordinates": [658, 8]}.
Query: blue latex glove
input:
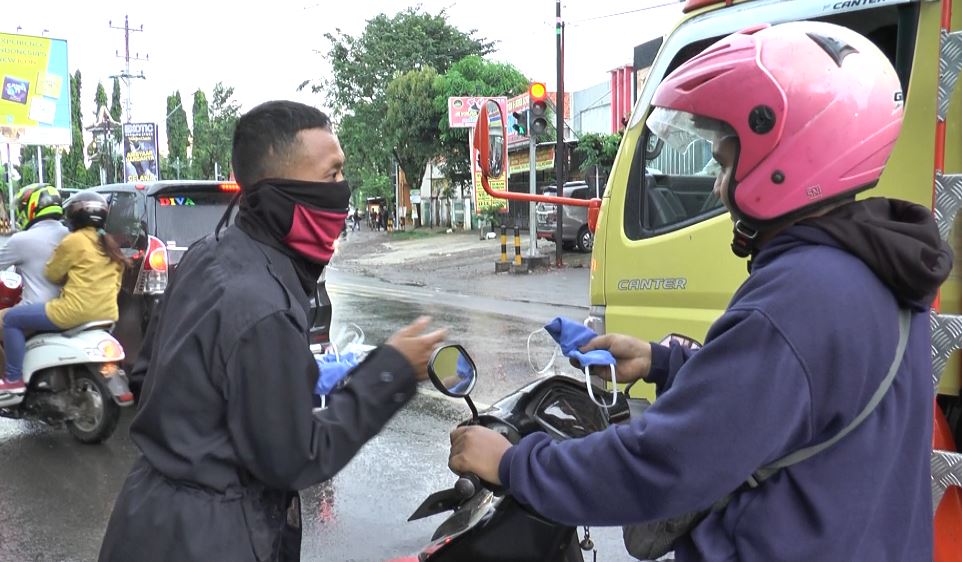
{"type": "Point", "coordinates": [465, 373]}
{"type": "Point", "coordinates": [333, 371]}
{"type": "Point", "coordinates": [571, 335]}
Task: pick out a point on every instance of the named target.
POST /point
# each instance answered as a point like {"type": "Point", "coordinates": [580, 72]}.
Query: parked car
{"type": "Point", "coordinates": [155, 223]}
{"type": "Point", "coordinates": [575, 232]}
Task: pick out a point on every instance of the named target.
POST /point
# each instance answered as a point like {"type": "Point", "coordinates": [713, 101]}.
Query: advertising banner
{"type": "Point", "coordinates": [463, 111]}
{"type": "Point", "coordinates": [519, 161]}
{"type": "Point", "coordinates": [141, 157]}
{"type": "Point", "coordinates": [34, 90]}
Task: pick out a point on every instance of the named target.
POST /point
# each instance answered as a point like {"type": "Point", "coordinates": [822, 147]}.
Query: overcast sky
{"type": "Point", "coordinates": [265, 49]}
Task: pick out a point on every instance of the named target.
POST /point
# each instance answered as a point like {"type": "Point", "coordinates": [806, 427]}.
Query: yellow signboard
{"type": "Point", "coordinates": [519, 161]}
{"type": "Point", "coordinates": [481, 198]}
{"type": "Point", "coordinates": [35, 90]}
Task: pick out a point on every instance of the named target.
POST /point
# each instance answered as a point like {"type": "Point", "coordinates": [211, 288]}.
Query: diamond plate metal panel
{"type": "Point", "coordinates": [950, 65]}
{"type": "Point", "coordinates": [946, 338]}
{"type": "Point", "coordinates": [946, 471]}
{"type": "Point", "coordinates": [948, 201]}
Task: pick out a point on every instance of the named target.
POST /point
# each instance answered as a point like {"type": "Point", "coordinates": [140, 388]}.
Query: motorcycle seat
{"type": "Point", "coordinates": [95, 325]}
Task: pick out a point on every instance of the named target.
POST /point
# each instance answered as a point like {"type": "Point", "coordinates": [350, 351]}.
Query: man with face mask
{"type": "Point", "coordinates": [226, 427]}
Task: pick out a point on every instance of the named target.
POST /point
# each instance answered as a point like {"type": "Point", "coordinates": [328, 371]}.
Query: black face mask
{"type": "Point", "coordinates": [301, 219]}
{"type": "Point", "coordinates": [307, 217]}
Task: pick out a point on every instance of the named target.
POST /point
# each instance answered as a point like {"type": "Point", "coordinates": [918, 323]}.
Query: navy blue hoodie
{"type": "Point", "coordinates": [800, 350]}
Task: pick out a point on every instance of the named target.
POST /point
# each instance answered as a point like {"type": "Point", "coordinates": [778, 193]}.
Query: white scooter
{"type": "Point", "coordinates": [72, 377]}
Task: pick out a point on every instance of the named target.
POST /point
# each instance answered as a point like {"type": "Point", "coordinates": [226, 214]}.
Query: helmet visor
{"type": "Point", "coordinates": [680, 129]}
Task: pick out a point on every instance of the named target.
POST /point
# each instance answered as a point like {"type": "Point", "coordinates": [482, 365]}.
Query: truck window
{"type": "Point", "coordinates": [669, 190]}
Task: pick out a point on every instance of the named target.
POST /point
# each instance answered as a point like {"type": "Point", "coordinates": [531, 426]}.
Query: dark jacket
{"type": "Point", "coordinates": [803, 345]}
{"type": "Point", "coordinates": [226, 424]}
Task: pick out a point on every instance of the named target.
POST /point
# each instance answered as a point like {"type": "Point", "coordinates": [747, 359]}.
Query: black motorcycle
{"type": "Point", "coordinates": [487, 524]}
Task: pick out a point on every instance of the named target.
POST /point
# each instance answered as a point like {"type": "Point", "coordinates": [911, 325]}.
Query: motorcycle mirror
{"type": "Point", "coordinates": [681, 340]}
{"type": "Point", "coordinates": [452, 371]}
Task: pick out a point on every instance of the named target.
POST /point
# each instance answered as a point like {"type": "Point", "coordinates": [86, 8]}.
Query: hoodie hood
{"type": "Point", "coordinates": [898, 240]}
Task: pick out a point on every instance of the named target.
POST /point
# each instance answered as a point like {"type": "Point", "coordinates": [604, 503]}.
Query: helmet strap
{"type": "Point", "coordinates": [744, 238]}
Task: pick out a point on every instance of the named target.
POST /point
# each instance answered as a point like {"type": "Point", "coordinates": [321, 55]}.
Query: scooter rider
{"type": "Point", "coordinates": [801, 117]}
{"type": "Point", "coordinates": [38, 213]}
{"type": "Point", "coordinates": [89, 264]}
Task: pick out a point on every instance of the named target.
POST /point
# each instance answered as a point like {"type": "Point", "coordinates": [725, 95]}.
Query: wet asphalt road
{"type": "Point", "coordinates": [56, 495]}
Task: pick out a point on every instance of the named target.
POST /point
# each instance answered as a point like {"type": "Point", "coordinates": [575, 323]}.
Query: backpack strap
{"type": "Point", "coordinates": [766, 472]}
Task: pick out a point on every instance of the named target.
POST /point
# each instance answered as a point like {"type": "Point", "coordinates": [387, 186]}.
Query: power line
{"type": "Point", "coordinates": [646, 8]}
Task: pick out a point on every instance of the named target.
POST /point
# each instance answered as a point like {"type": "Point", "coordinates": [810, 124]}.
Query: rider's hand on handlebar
{"type": "Point", "coordinates": [477, 450]}
{"type": "Point", "coordinates": [633, 356]}
{"type": "Point", "coordinates": [415, 346]}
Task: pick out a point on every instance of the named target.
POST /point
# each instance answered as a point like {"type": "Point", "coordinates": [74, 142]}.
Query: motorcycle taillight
{"type": "Point", "coordinates": [153, 273]}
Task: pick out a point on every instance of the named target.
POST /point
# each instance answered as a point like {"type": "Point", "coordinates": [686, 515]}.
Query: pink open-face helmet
{"type": "Point", "coordinates": [816, 109]}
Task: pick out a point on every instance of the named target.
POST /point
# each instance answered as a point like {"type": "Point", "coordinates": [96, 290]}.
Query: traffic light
{"type": "Point", "coordinates": [520, 122]}
{"type": "Point", "coordinates": [538, 105]}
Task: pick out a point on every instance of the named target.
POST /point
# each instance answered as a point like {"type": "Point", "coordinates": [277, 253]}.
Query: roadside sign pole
{"type": "Point", "coordinates": [533, 189]}
{"type": "Point", "coordinates": [58, 168]}
{"type": "Point", "coordinates": [39, 164]}
{"type": "Point", "coordinates": [10, 181]}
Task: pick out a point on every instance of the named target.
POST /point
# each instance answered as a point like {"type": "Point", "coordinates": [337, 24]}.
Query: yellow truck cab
{"type": "Point", "coordinates": [662, 261]}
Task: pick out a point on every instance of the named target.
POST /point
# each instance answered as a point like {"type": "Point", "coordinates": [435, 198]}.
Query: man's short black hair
{"type": "Point", "coordinates": [265, 138]}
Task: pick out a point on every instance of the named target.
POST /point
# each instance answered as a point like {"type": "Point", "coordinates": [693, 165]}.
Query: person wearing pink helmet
{"type": "Point", "coordinates": [827, 341]}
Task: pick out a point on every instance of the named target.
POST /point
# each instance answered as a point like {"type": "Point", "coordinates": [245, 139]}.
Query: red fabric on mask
{"type": "Point", "coordinates": [313, 232]}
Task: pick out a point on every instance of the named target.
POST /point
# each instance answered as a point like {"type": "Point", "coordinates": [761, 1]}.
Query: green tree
{"type": "Point", "coordinates": [471, 76]}
{"type": "Point", "coordinates": [117, 114]}
{"type": "Point", "coordinates": [364, 65]}
{"type": "Point", "coordinates": [105, 155]}
{"type": "Point", "coordinates": [178, 136]}
{"type": "Point", "coordinates": [201, 163]}
{"type": "Point", "coordinates": [598, 150]}
{"type": "Point", "coordinates": [74, 168]}
{"type": "Point", "coordinates": [224, 113]}
{"type": "Point", "coordinates": [412, 121]}
{"type": "Point", "coordinates": [116, 108]}
{"type": "Point", "coordinates": [28, 165]}
{"type": "Point", "coordinates": [100, 99]}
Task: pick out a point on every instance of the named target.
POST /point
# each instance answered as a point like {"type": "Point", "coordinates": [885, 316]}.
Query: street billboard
{"type": "Point", "coordinates": [35, 94]}
{"type": "Point", "coordinates": [519, 161]}
{"type": "Point", "coordinates": [463, 111]}
{"type": "Point", "coordinates": [141, 157]}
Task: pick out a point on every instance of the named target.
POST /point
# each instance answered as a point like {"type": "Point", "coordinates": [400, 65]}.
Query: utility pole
{"type": "Point", "coordinates": [533, 190]}
{"type": "Point", "coordinates": [126, 75]}
{"type": "Point", "coordinates": [559, 151]}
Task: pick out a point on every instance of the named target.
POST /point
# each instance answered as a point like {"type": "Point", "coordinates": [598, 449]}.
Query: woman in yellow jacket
{"type": "Point", "coordinates": [89, 265]}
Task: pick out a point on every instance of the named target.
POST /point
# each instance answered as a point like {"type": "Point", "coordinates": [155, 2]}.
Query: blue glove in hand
{"type": "Point", "coordinates": [333, 371]}
{"type": "Point", "coordinates": [465, 370]}
{"type": "Point", "coordinates": [571, 335]}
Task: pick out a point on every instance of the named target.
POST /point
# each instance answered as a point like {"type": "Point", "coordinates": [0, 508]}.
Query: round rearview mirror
{"type": "Point", "coordinates": [495, 139]}
{"type": "Point", "coordinates": [453, 371]}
